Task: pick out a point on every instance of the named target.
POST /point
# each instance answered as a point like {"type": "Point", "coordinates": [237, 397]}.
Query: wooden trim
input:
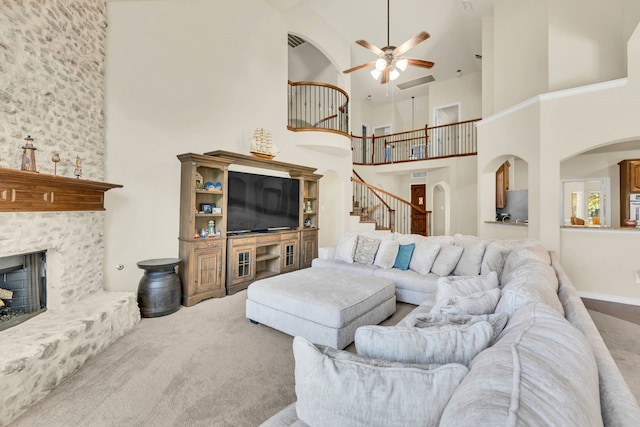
{"type": "Point", "coordinates": [22, 191]}
{"type": "Point", "coordinates": [330, 86]}
{"type": "Point", "coordinates": [242, 159]}
{"type": "Point", "coordinates": [339, 132]}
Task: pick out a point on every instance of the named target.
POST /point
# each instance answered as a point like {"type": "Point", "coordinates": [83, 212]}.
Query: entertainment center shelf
{"type": "Point", "coordinates": [225, 263]}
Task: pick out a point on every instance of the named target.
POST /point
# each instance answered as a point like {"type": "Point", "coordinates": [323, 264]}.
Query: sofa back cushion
{"type": "Point", "coordinates": [423, 257]}
{"type": "Point", "coordinates": [540, 372]}
{"type": "Point", "coordinates": [346, 247]}
{"type": "Point", "coordinates": [449, 343]}
{"type": "Point", "coordinates": [471, 259]}
{"type": "Point", "coordinates": [494, 258]}
{"type": "Point", "coordinates": [338, 388]}
{"type": "Point", "coordinates": [534, 282]}
{"type": "Point", "coordinates": [521, 256]}
{"type": "Point", "coordinates": [447, 260]}
{"type": "Point", "coordinates": [386, 255]}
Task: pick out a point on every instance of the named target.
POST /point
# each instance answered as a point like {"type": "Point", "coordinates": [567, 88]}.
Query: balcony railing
{"type": "Point", "coordinates": [456, 139]}
{"type": "Point", "coordinates": [318, 106]}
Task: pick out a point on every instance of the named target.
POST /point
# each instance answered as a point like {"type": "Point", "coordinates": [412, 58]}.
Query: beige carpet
{"type": "Point", "coordinates": [208, 365]}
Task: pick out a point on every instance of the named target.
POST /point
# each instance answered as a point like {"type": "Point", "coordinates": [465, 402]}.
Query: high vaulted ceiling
{"type": "Point", "coordinates": [455, 27]}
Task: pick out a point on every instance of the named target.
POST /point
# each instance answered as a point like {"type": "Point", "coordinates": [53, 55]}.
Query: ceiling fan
{"type": "Point", "coordinates": [389, 57]}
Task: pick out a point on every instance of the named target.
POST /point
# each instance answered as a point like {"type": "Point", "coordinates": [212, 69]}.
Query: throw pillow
{"type": "Point", "coordinates": [424, 320]}
{"type": "Point", "coordinates": [446, 260]}
{"type": "Point", "coordinates": [471, 259]}
{"type": "Point", "coordinates": [483, 302]}
{"type": "Point", "coordinates": [494, 257]}
{"type": "Point", "coordinates": [454, 286]}
{"type": "Point", "coordinates": [436, 344]}
{"type": "Point", "coordinates": [423, 257]}
{"type": "Point", "coordinates": [366, 249]}
{"type": "Point", "coordinates": [346, 247]}
{"type": "Point", "coordinates": [386, 255]}
{"type": "Point", "coordinates": [331, 383]}
{"type": "Point", "coordinates": [403, 259]}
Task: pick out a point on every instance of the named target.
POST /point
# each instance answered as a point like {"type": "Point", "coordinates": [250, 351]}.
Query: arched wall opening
{"type": "Point", "coordinates": [440, 197]}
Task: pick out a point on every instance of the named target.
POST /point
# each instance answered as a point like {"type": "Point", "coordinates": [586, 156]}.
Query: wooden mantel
{"type": "Point", "coordinates": [22, 191]}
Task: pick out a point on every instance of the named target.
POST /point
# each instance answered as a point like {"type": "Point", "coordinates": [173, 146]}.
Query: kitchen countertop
{"type": "Point", "coordinates": [519, 223]}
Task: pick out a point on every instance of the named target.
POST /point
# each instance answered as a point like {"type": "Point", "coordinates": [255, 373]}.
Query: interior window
{"type": "Point", "coordinates": [586, 200]}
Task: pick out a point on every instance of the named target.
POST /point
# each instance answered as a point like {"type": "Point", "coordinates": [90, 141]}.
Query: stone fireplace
{"type": "Point", "coordinates": [81, 318]}
{"type": "Point", "coordinates": [52, 88]}
{"type": "Point", "coordinates": [23, 284]}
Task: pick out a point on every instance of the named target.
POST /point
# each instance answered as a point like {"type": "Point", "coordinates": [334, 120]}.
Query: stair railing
{"type": "Point", "coordinates": [386, 210]}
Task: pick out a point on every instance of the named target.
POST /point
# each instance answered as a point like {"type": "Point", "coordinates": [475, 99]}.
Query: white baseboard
{"type": "Point", "coordinates": [610, 298]}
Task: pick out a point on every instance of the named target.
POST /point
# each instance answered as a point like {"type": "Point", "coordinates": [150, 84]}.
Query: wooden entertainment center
{"type": "Point", "coordinates": [223, 264]}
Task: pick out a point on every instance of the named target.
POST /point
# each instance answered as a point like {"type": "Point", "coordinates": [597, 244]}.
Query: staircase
{"type": "Point", "coordinates": [385, 210]}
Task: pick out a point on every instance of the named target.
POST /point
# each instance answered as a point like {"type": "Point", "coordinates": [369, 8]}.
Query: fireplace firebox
{"type": "Point", "coordinates": [23, 287]}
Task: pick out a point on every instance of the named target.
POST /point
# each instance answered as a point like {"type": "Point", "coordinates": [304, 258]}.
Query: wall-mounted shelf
{"type": "Point", "coordinates": [22, 191]}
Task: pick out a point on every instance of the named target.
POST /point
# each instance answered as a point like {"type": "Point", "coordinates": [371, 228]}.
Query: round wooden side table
{"type": "Point", "coordinates": [160, 289]}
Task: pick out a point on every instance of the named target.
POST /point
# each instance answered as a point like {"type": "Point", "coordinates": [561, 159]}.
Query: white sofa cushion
{"type": "Point", "coordinates": [446, 260]}
{"type": "Point", "coordinates": [386, 255]}
{"type": "Point", "coordinates": [346, 247]}
{"type": "Point", "coordinates": [453, 286]}
{"type": "Point", "coordinates": [366, 248]}
{"type": "Point", "coordinates": [494, 258]}
{"type": "Point", "coordinates": [423, 257]}
{"type": "Point", "coordinates": [531, 283]}
{"type": "Point", "coordinates": [331, 383]}
{"type": "Point", "coordinates": [447, 343]}
{"type": "Point", "coordinates": [483, 302]}
{"type": "Point", "coordinates": [471, 259]}
{"type": "Point", "coordinates": [420, 319]}
{"type": "Point", "coordinates": [520, 256]}
{"type": "Point", "coordinates": [540, 372]}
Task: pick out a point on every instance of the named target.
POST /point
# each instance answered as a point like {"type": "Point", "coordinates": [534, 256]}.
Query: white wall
{"type": "Point", "coordinates": [465, 90]}
{"type": "Point", "coordinates": [546, 130]}
{"type": "Point", "coordinates": [169, 91]}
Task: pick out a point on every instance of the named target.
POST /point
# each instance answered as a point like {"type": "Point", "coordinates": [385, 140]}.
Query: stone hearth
{"type": "Point", "coordinates": [81, 318]}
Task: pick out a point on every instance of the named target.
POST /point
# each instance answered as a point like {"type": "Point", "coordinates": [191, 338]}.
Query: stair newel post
{"type": "Point", "coordinates": [373, 148]}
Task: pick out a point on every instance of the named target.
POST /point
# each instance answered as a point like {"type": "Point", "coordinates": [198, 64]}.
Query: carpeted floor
{"type": "Point", "coordinates": [208, 365]}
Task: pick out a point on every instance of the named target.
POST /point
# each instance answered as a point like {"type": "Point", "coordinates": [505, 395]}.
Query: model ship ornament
{"type": "Point", "coordinates": [262, 146]}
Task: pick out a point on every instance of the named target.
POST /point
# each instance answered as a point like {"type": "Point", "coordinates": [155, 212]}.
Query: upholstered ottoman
{"type": "Point", "coordinates": [324, 306]}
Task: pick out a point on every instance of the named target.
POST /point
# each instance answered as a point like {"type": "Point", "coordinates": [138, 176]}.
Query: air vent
{"type": "Point", "coordinates": [295, 41]}
{"type": "Point", "coordinates": [417, 82]}
{"type": "Point", "coordinates": [415, 175]}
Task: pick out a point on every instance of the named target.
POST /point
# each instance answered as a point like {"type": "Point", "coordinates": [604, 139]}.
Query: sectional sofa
{"type": "Point", "coordinates": [499, 336]}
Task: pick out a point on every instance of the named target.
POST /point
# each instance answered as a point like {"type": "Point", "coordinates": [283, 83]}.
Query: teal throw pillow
{"type": "Point", "coordinates": [403, 259]}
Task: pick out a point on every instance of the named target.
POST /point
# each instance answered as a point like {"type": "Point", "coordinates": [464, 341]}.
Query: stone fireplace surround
{"type": "Point", "coordinates": [81, 318]}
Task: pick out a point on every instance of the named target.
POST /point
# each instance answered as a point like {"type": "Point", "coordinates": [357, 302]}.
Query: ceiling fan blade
{"type": "Point", "coordinates": [420, 63]}
{"type": "Point", "coordinates": [369, 46]}
{"type": "Point", "coordinates": [413, 41]}
{"type": "Point", "coordinates": [385, 76]}
{"type": "Point", "coordinates": [368, 64]}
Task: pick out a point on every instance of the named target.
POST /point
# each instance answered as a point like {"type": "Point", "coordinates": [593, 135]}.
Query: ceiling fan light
{"type": "Point", "coordinates": [394, 74]}
{"type": "Point", "coordinates": [402, 63]}
{"type": "Point", "coordinates": [376, 73]}
{"type": "Point", "coordinates": [381, 64]}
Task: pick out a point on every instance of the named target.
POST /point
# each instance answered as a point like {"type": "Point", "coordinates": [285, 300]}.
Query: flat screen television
{"type": "Point", "coordinates": [261, 202]}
